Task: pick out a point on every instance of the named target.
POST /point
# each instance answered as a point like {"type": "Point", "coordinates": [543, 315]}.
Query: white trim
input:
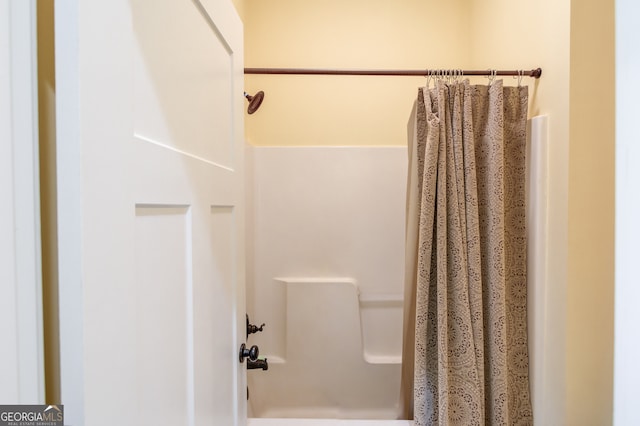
{"type": "Point", "coordinates": [21, 117]}
{"type": "Point", "coordinates": [627, 291]}
{"type": "Point", "coordinates": [539, 324]}
{"type": "Point", "coordinates": [68, 155]}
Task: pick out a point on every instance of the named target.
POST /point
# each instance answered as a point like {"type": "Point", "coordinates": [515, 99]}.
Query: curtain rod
{"type": "Point", "coordinates": [535, 73]}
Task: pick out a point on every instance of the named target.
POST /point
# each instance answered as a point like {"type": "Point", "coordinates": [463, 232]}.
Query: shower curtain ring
{"type": "Point", "coordinates": [429, 77]}
{"type": "Point", "coordinates": [492, 76]}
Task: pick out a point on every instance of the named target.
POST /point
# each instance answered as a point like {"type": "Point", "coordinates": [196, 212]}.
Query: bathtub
{"type": "Point", "coordinates": [325, 422]}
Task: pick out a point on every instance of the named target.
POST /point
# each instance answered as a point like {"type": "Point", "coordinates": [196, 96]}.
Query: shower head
{"type": "Point", "coordinates": [254, 101]}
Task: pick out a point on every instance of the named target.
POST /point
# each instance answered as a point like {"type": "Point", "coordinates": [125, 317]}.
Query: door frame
{"type": "Point", "coordinates": [21, 196]}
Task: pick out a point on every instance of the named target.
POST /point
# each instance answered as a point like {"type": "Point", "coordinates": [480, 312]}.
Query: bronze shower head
{"type": "Point", "coordinates": [254, 101]}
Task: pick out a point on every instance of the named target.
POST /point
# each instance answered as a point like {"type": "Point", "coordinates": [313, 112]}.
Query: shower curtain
{"type": "Point", "coordinates": [465, 355]}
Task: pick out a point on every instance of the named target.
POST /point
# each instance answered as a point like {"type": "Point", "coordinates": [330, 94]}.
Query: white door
{"type": "Point", "coordinates": [150, 181]}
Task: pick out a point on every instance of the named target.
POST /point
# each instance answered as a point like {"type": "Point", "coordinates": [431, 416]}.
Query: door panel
{"type": "Point", "coordinates": [163, 289]}
{"type": "Point", "coordinates": [152, 265]}
{"type": "Point", "coordinates": [183, 85]}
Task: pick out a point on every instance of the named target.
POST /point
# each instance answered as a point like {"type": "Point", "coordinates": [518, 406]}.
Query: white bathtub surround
{"type": "Point", "coordinates": [328, 250]}
{"type": "Point", "coordinates": [381, 338]}
{"type": "Point", "coordinates": [327, 371]}
{"type": "Point", "coordinates": [539, 327]}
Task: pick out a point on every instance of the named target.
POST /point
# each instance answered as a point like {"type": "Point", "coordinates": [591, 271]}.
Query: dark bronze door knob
{"type": "Point", "coordinates": [251, 353]}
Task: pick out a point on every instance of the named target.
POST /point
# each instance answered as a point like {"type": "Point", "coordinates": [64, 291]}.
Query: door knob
{"type": "Point", "coordinates": [251, 353]}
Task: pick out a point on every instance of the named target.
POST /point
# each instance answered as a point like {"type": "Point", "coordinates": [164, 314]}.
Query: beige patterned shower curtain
{"type": "Point", "coordinates": [465, 357]}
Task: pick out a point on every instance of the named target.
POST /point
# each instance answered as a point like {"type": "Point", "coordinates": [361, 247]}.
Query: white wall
{"type": "Point", "coordinates": [627, 292]}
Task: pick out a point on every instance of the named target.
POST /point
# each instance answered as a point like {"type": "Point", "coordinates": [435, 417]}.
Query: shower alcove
{"type": "Point", "coordinates": [326, 226]}
{"type": "Point", "coordinates": [325, 272]}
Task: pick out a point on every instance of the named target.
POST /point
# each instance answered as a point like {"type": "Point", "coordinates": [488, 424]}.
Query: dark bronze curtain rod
{"type": "Point", "coordinates": [535, 73]}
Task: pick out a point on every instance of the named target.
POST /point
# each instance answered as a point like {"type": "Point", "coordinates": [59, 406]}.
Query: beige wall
{"type": "Point", "coordinates": [240, 7]}
{"type": "Point", "coordinates": [565, 38]}
{"type": "Point", "coordinates": [590, 285]}
{"type": "Point", "coordinates": [341, 110]}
